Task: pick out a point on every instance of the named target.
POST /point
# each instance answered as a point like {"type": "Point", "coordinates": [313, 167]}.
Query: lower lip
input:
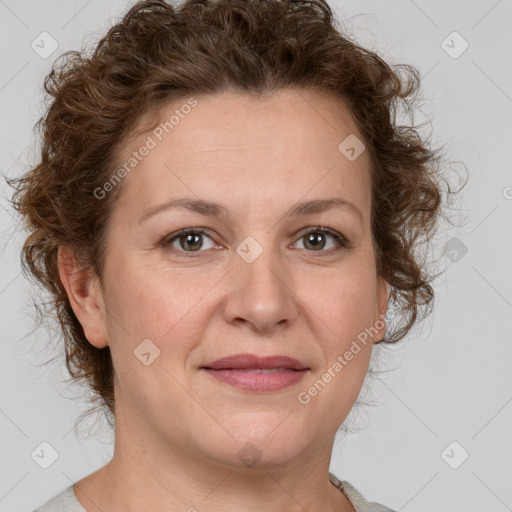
{"type": "Point", "coordinates": [249, 380]}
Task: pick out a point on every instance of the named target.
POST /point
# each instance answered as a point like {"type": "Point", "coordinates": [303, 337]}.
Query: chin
{"type": "Point", "coordinates": [257, 446]}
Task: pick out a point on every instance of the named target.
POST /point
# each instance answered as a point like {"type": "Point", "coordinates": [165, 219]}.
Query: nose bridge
{"type": "Point", "coordinates": [261, 293]}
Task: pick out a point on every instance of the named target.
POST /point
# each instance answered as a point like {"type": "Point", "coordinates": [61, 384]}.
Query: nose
{"type": "Point", "coordinates": [261, 294]}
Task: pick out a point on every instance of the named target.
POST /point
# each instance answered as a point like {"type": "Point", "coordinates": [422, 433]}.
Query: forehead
{"type": "Point", "coordinates": [284, 147]}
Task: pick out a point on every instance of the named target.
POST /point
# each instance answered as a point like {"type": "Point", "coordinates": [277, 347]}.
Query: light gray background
{"type": "Point", "coordinates": [452, 379]}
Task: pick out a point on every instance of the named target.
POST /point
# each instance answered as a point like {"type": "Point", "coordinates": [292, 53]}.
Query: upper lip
{"type": "Point", "coordinates": [252, 361]}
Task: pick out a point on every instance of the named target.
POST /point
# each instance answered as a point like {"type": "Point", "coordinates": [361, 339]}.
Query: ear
{"type": "Point", "coordinates": [85, 296]}
{"type": "Point", "coordinates": [382, 300]}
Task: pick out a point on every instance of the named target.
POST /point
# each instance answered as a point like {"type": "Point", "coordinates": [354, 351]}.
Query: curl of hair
{"type": "Point", "coordinates": [159, 53]}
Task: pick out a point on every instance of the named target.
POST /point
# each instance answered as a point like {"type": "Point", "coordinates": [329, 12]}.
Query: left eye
{"type": "Point", "coordinates": [315, 238]}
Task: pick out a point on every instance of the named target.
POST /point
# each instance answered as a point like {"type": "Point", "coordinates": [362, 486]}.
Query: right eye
{"type": "Point", "coordinates": [187, 240]}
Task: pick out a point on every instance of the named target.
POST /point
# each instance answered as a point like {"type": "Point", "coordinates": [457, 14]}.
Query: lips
{"type": "Point", "coordinates": [253, 362]}
{"type": "Point", "coordinates": [249, 372]}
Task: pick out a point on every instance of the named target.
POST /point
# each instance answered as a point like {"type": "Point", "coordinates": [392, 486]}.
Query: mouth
{"type": "Point", "coordinates": [258, 374]}
{"type": "Point", "coordinates": [258, 379]}
{"type": "Point", "coordinates": [255, 362]}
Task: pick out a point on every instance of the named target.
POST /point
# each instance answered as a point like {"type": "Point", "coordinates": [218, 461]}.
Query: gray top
{"type": "Point", "coordinates": [66, 500]}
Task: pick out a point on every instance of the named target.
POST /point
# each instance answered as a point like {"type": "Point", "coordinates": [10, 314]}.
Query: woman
{"type": "Point", "coordinates": [224, 212]}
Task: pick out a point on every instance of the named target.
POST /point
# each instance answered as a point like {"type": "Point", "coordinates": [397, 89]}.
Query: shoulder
{"type": "Point", "coordinates": [65, 501]}
{"type": "Point", "coordinates": [356, 498]}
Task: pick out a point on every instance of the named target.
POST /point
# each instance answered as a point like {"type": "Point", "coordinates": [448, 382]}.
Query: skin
{"type": "Point", "coordinates": [178, 430]}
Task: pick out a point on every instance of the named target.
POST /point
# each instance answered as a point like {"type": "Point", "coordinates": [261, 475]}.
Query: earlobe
{"type": "Point", "coordinates": [85, 297]}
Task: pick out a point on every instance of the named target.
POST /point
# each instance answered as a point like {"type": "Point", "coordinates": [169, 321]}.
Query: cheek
{"type": "Point", "coordinates": [347, 310]}
{"type": "Point", "coordinates": [154, 303]}
{"type": "Point", "coordinates": [345, 301]}
{"type": "Point", "coordinates": [344, 313]}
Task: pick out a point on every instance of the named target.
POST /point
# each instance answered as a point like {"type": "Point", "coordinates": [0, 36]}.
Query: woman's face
{"type": "Point", "coordinates": [254, 282]}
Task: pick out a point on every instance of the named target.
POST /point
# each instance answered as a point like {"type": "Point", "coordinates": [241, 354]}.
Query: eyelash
{"type": "Point", "coordinates": [343, 243]}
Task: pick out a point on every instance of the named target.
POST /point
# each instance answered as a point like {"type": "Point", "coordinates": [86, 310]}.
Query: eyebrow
{"type": "Point", "coordinates": [211, 209]}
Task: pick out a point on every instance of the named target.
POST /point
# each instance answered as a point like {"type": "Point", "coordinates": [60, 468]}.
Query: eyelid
{"type": "Point", "coordinates": [167, 240]}
{"type": "Point", "coordinates": [341, 240]}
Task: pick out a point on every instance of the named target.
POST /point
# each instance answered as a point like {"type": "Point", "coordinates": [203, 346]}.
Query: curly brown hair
{"type": "Point", "coordinates": [159, 53]}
